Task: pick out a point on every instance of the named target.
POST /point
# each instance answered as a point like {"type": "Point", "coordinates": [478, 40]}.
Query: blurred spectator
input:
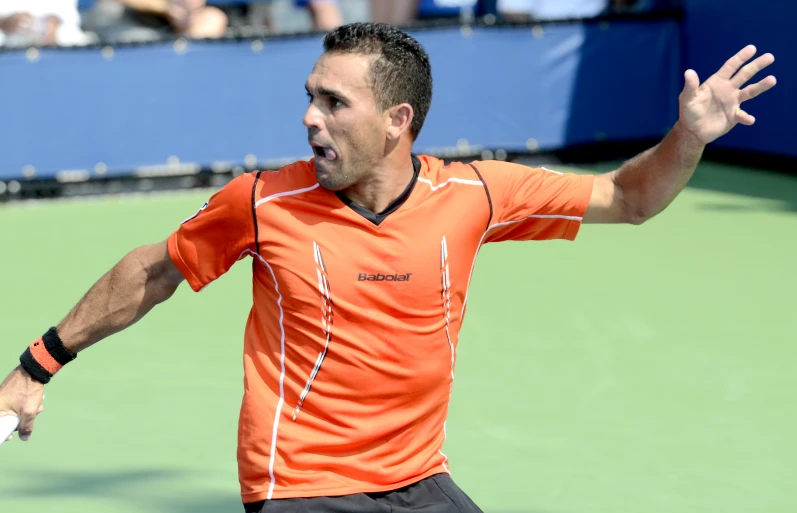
{"type": "Point", "coordinates": [645, 5]}
{"type": "Point", "coordinates": [522, 10]}
{"type": "Point", "coordinates": [150, 20]}
{"type": "Point", "coordinates": [40, 22]}
{"type": "Point", "coordinates": [325, 14]}
{"type": "Point", "coordinates": [405, 12]}
{"type": "Point", "coordinates": [395, 13]}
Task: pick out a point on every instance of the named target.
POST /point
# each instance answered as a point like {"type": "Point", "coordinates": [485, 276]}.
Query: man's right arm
{"type": "Point", "coordinates": [143, 278]}
{"type": "Point", "coordinates": [204, 247]}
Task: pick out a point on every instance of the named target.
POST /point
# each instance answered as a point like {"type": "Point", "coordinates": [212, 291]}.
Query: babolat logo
{"type": "Point", "coordinates": [383, 277]}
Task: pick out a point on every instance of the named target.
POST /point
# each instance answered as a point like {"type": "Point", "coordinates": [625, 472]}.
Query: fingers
{"type": "Point", "coordinates": [754, 90]}
{"type": "Point", "coordinates": [691, 83]}
{"type": "Point", "coordinates": [26, 419]}
{"type": "Point", "coordinates": [25, 428]}
{"type": "Point", "coordinates": [744, 118]}
{"type": "Point", "coordinates": [750, 69]}
{"type": "Point", "coordinates": [733, 64]}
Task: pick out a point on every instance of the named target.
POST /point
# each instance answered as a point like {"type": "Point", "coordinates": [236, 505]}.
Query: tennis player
{"type": "Point", "coordinates": [361, 260]}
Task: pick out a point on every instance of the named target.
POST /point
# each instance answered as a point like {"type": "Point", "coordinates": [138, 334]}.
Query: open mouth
{"type": "Point", "coordinates": [324, 152]}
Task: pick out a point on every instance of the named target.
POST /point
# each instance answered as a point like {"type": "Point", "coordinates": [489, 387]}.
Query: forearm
{"type": "Point", "coordinates": [650, 181]}
{"type": "Point", "coordinates": [142, 279]}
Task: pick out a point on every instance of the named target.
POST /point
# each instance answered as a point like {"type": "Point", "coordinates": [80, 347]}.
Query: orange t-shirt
{"type": "Point", "coordinates": [351, 341]}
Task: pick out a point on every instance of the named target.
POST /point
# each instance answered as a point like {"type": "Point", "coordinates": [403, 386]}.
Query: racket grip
{"type": "Point", "coordinates": [8, 425]}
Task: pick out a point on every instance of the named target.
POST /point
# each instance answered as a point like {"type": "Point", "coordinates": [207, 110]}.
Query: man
{"type": "Point", "coordinates": [361, 263]}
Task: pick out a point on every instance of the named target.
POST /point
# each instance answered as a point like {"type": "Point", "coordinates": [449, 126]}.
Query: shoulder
{"type": "Point", "coordinates": [497, 168]}
{"type": "Point", "coordinates": [477, 169]}
{"type": "Point", "coordinates": [437, 173]}
{"type": "Point", "coordinates": [502, 176]}
{"type": "Point", "coordinates": [255, 186]}
{"type": "Point", "coordinates": [295, 177]}
{"type": "Point", "coordinates": [490, 174]}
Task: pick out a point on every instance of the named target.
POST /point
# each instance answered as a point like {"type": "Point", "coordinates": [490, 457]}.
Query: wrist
{"type": "Point", "coordinates": [23, 374]}
{"type": "Point", "coordinates": [688, 135]}
{"type": "Point", "coordinates": [45, 357]}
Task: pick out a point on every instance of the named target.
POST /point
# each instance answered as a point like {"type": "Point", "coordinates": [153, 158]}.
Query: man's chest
{"type": "Point", "coordinates": [407, 264]}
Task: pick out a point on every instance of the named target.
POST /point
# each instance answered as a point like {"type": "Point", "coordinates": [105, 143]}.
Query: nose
{"type": "Point", "coordinates": [312, 117]}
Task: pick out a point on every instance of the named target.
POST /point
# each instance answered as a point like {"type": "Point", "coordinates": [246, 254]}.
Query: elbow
{"type": "Point", "coordinates": [634, 207]}
{"type": "Point", "coordinates": [637, 218]}
{"type": "Point", "coordinates": [631, 206]}
{"type": "Point", "coordinates": [637, 212]}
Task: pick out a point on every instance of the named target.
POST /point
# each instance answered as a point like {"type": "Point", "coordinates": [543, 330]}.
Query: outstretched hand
{"type": "Point", "coordinates": [711, 109]}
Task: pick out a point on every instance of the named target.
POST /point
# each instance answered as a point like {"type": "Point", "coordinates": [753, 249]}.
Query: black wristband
{"type": "Point", "coordinates": [59, 355]}
{"type": "Point", "coordinates": [56, 348]}
{"type": "Point", "coordinates": [32, 367]}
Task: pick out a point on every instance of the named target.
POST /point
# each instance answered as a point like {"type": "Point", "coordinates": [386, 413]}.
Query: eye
{"type": "Point", "coordinates": [335, 103]}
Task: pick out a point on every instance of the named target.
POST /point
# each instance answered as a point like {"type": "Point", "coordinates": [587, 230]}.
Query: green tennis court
{"type": "Point", "coordinates": [641, 369]}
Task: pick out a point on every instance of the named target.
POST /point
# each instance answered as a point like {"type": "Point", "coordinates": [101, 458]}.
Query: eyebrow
{"type": "Point", "coordinates": [328, 92]}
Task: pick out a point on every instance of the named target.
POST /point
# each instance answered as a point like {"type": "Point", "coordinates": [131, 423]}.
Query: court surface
{"type": "Point", "coordinates": [641, 369]}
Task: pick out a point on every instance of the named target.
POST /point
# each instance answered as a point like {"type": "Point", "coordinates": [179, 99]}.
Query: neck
{"type": "Point", "coordinates": [385, 183]}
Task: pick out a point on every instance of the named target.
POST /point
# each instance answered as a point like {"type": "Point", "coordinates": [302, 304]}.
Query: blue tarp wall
{"type": "Point", "coordinates": [132, 110]}
{"type": "Point", "coordinates": [714, 30]}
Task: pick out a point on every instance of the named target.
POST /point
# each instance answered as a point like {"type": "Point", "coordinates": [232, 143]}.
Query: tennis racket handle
{"type": "Point", "coordinates": [8, 425]}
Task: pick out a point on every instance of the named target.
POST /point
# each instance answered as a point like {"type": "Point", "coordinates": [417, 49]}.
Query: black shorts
{"type": "Point", "coordinates": [435, 494]}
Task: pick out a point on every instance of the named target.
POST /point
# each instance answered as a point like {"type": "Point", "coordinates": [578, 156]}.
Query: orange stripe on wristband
{"type": "Point", "coordinates": [43, 357]}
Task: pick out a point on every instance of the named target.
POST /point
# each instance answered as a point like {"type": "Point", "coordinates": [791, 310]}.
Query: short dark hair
{"type": "Point", "coordinates": [401, 72]}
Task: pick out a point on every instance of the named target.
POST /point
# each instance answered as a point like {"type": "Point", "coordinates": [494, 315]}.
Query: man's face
{"type": "Point", "coordinates": [344, 125]}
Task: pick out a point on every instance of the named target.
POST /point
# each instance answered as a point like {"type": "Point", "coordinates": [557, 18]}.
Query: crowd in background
{"type": "Point", "coordinates": [80, 22]}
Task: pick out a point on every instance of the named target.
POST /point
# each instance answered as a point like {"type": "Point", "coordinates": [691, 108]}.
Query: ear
{"type": "Point", "coordinates": [398, 118]}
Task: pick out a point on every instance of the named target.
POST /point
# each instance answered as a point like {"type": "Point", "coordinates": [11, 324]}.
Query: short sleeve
{"type": "Point", "coordinates": [534, 203]}
{"type": "Point", "coordinates": [208, 243]}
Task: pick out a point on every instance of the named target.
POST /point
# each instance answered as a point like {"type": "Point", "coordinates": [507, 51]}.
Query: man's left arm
{"type": "Point", "coordinates": [648, 183]}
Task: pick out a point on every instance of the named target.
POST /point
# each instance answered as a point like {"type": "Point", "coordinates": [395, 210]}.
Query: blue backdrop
{"type": "Point", "coordinates": [507, 88]}
{"type": "Point", "coordinates": [136, 108]}
{"type": "Point", "coordinates": [714, 30]}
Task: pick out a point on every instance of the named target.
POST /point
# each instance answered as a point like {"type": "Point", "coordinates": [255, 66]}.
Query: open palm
{"type": "Point", "coordinates": [709, 110]}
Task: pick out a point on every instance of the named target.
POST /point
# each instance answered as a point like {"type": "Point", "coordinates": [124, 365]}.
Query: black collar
{"type": "Point", "coordinates": [394, 205]}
